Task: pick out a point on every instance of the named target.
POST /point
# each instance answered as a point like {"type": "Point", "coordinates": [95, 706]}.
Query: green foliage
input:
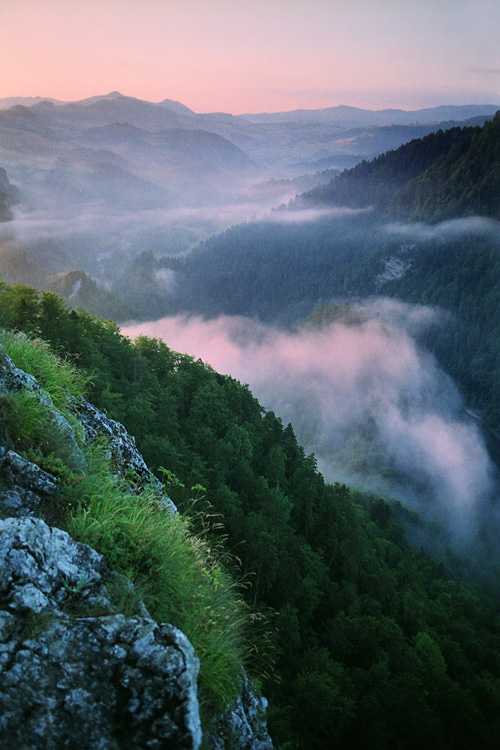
{"type": "Point", "coordinates": [180, 579]}
{"type": "Point", "coordinates": [25, 422]}
{"type": "Point", "coordinates": [375, 645]}
{"type": "Point", "coordinates": [58, 377]}
{"type": "Point", "coordinates": [51, 463]}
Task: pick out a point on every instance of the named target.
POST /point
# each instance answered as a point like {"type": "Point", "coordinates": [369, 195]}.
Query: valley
{"type": "Point", "coordinates": [296, 316]}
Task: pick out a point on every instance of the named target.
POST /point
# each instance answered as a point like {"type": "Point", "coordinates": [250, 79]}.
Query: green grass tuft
{"type": "Point", "coordinates": [57, 376]}
{"type": "Point", "coordinates": [180, 577]}
{"type": "Point", "coordinates": [25, 421]}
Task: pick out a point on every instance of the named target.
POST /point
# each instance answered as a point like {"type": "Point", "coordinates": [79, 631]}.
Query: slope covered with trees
{"type": "Point", "coordinates": [282, 270]}
{"type": "Point", "coordinates": [445, 174]}
{"type": "Point", "coordinates": [9, 196]}
{"type": "Point", "coordinates": [374, 645]}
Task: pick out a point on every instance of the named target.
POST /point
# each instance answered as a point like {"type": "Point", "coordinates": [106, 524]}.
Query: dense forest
{"type": "Point", "coordinates": [367, 642]}
{"type": "Point", "coordinates": [444, 175]}
{"type": "Point", "coordinates": [283, 271]}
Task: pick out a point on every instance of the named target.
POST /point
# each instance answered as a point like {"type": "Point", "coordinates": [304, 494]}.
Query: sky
{"type": "Point", "coordinates": [242, 56]}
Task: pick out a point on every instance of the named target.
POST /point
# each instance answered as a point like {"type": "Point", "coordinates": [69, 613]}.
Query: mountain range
{"type": "Point", "coordinates": [274, 141]}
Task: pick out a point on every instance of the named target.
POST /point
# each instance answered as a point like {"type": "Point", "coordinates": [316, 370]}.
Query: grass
{"type": "Point", "coordinates": [57, 376]}
{"type": "Point", "coordinates": [178, 575]}
{"type": "Point", "coordinates": [31, 427]}
{"type": "Point", "coordinates": [24, 420]}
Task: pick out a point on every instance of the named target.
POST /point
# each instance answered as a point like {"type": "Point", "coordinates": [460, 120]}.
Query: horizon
{"type": "Point", "coordinates": [272, 56]}
{"type": "Point", "coordinates": [115, 94]}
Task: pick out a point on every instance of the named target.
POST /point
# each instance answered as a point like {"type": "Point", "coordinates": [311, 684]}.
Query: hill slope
{"type": "Point", "coordinates": [444, 175]}
{"type": "Point", "coordinates": [77, 622]}
{"type": "Point", "coordinates": [375, 645]}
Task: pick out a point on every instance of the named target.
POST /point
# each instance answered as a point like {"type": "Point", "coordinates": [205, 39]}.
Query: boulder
{"type": "Point", "coordinates": [69, 678]}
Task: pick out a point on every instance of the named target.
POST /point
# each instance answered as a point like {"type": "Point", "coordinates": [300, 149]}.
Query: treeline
{"type": "Point", "coordinates": [374, 645]}
{"type": "Point", "coordinates": [282, 273]}
{"type": "Point", "coordinates": [445, 174]}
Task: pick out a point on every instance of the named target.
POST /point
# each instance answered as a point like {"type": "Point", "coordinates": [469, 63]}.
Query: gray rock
{"type": "Point", "coordinates": [23, 485]}
{"type": "Point", "coordinates": [19, 502]}
{"type": "Point", "coordinates": [243, 726]}
{"type": "Point", "coordinates": [124, 456]}
{"type": "Point", "coordinates": [18, 471]}
{"type": "Point", "coordinates": [70, 680]}
{"type": "Point", "coordinates": [106, 682]}
{"type": "Point", "coordinates": [35, 556]}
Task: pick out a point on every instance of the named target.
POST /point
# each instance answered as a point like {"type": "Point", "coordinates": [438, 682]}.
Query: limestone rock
{"type": "Point", "coordinates": [93, 682]}
{"type": "Point", "coordinates": [243, 726]}
{"type": "Point", "coordinates": [124, 455]}
{"type": "Point", "coordinates": [23, 485]}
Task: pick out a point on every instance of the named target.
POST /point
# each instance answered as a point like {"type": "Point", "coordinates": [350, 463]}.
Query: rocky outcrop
{"type": "Point", "coordinates": [24, 486]}
{"type": "Point", "coordinates": [243, 726]}
{"type": "Point", "coordinates": [78, 668]}
{"type": "Point", "coordinates": [69, 678]}
{"type": "Point", "coordinates": [124, 456]}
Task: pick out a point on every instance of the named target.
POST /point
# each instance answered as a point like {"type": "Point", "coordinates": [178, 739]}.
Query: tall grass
{"type": "Point", "coordinates": [180, 577]}
{"type": "Point", "coordinates": [57, 376]}
{"type": "Point", "coordinates": [27, 424]}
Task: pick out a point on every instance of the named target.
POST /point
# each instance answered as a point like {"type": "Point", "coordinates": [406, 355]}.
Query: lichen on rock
{"type": "Point", "coordinates": [107, 681]}
{"type": "Point", "coordinates": [243, 726]}
{"type": "Point", "coordinates": [24, 486]}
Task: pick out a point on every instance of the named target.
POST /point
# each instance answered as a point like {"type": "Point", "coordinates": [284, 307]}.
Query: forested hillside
{"type": "Point", "coordinates": [444, 175]}
{"type": "Point", "coordinates": [283, 269]}
{"type": "Point", "coordinates": [374, 645]}
{"type": "Point", "coordinates": [283, 273]}
{"type": "Point", "coordinates": [9, 196]}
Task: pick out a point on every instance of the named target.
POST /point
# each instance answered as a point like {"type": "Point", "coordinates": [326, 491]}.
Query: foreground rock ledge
{"type": "Point", "coordinates": [92, 683]}
{"type": "Point", "coordinates": [75, 673]}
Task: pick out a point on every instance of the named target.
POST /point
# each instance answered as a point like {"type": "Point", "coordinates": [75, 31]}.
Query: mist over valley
{"type": "Point", "coordinates": [119, 204]}
{"type": "Point", "coordinates": [296, 316]}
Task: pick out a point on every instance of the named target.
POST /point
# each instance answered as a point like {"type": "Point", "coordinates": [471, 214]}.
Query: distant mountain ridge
{"type": "Point", "coordinates": [342, 113]}
{"type": "Point", "coordinates": [345, 115]}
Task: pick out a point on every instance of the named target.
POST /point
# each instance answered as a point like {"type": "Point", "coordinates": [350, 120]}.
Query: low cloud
{"type": "Point", "coordinates": [304, 215]}
{"type": "Point", "coordinates": [445, 230]}
{"type": "Point", "coordinates": [166, 277]}
{"type": "Point", "coordinates": [377, 411]}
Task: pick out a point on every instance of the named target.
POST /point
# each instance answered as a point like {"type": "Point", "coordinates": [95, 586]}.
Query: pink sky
{"type": "Point", "coordinates": [254, 55]}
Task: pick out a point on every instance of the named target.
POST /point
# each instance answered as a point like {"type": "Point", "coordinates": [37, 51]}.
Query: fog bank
{"type": "Point", "coordinates": [375, 409]}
